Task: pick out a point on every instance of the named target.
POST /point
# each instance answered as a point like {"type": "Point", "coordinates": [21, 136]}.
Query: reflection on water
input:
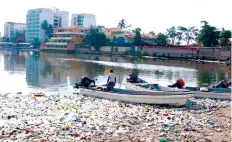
{"type": "Point", "coordinates": [56, 73]}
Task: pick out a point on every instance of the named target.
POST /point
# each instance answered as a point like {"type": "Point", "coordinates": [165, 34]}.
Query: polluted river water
{"type": "Point", "coordinates": [61, 115]}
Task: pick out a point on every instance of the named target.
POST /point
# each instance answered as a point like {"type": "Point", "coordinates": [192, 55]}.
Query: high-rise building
{"type": "Point", "coordinates": [35, 18]}
{"type": "Point", "coordinates": [85, 20]}
{"type": "Point", "coordinates": [11, 27]}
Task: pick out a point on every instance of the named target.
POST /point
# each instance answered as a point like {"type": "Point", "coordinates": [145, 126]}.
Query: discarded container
{"type": "Point", "coordinates": [163, 140]}
{"type": "Point", "coordinates": [40, 94]}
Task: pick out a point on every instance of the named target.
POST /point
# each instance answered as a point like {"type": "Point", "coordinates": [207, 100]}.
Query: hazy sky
{"type": "Point", "coordinates": [149, 15]}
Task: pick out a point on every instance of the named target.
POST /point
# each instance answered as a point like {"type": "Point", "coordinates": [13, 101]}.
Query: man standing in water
{"type": "Point", "coordinates": [111, 81]}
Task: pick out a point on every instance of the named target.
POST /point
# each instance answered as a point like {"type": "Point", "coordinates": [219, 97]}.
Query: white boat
{"type": "Point", "coordinates": [213, 93]}
{"type": "Point", "coordinates": [152, 87]}
{"type": "Point", "coordinates": [158, 97]}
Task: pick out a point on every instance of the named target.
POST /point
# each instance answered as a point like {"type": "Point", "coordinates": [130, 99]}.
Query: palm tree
{"type": "Point", "coordinates": [122, 24]}
{"type": "Point", "coordinates": [137, 39]}
{"type": "Point", "coordinates": [137, 30]}
{"type": "Point", "coordinates": [49, 31]}
{"type": "Point", "coordinates": [171, 33]}
{"type": "Point", "coordinates": [44, 25]}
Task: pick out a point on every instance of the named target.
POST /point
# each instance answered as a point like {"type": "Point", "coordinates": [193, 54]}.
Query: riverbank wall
{"type": "Point", "coordinates": [168, 52]}
{"type": "Point", "coordinates": [163, 52]}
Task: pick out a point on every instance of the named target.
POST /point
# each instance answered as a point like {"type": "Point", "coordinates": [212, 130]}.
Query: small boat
{"type": "Point", "coordinates": [208, 92]}
{"type": "Point", "coordinates": [158, 97]}
{"type": "Point", "coordinates": [218, 93]}
{"type": "Point", "coordinates": [209, 89]}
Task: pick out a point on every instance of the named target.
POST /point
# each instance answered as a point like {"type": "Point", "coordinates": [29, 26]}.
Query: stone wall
{"type": "Point", "coordinates": [188, 52]}
{"type": "Point", "coordinates": [104, 49]}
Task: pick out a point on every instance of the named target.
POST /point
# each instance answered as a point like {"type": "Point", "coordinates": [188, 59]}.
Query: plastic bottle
{"type": "Point", "coordinates": [163, 140]}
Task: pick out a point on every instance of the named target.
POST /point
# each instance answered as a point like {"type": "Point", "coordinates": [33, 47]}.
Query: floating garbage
{"type": "Point", "coordinates": [79, 118]}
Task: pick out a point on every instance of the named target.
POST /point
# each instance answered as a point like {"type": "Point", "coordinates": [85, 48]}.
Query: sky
{"type": "Point", "coordinates": [149, 15]}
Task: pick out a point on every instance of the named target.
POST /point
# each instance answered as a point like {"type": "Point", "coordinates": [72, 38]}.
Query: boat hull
{"type": "Point", "coordinates": [140, 96]}
{"type": "Point", "coordinates": [214, 94]}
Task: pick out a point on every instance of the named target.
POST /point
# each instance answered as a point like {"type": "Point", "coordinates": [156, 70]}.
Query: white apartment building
{"type": "Point", "coordinates": [35, 18]}
{"type": "Point", "coordinates": [11, 27]}
{"type": "Point", "coordinates": [85, 20]}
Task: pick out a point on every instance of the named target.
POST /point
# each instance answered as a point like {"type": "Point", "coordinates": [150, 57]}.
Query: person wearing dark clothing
{"type": "Point", "coordinates": [179, 84]}
{"type": "Point", "coordinates": [223, 84]}
{"type": "Point", "coordinates": [133, 78]}
{"type": "Point", "coordinates": [85, 82]}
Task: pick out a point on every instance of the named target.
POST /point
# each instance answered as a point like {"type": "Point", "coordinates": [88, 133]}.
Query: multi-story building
{"type": "Point", "coordinates": [85, 20]}
{"type": "Point", "coordinates": [11, 27]}
{"type": "Point", "coordinates": [66, 38]}
{"type": "Point", "coordinates": [35, 18]}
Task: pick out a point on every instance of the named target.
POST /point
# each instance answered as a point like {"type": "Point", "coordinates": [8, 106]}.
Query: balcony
{"type": "Point", "coordinates": [56, 43]}
{"type": "Point", "coordinates": [61, 38]}
{"type": "Point", "coordinates": [69, 33]}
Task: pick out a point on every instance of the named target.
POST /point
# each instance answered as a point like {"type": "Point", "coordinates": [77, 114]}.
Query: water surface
{"type": "Point", "coordinates": [24, 71]}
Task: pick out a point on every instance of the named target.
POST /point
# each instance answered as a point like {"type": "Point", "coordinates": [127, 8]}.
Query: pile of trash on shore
{"type": "Point", "coordinates": [34, 118]}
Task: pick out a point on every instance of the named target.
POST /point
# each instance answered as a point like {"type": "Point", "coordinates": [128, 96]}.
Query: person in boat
{"type": "Point", "coordinates": [223, 84]}
{"type": "Point", "coordinates": [133, 78]}
{"type": "Point", "coordinates": [111, 81]}
{"type": "Point", "coordinates": [85, 82]}
{"type": "Point", "coordinates": [179, 84]}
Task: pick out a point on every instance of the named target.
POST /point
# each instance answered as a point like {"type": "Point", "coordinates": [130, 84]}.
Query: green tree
{"type": "Point", "coordinates": [161, 39]}
{"type": "Point", "coordinates": [171, 33]}
{"type": "Point", "coordinates": [44, 25]}
{"type": "Point", "coordinates": [12, 39]}
{"type": "Point", "coordinates": [5, 39]}
{"type": "Point", "coordinates": [189, 34]}
{"type": "Point", "coordinates": [96, 38]}
{"type": "Point", "coordinates": [17, 33]}
{"type": "Point", "coordinates": [36, 42]}
{"type": "Point", "coordinates": [137, 40]}
{"type": "Point", "coordinates": [123, 25]}
{"type": "Point", "coordinates": [100, 27]}
{"type": "Point", "coordinates": [48, 29]}
{"type": "Point", "coordinates": [225, 36]}
{"type": "Point", "coordinates": [152, 33]}
{"type": "Point", "coordinates": [179, 37]}
{"type": "Point", "coordinates": [208, 35]}
{"type": "Point", "coordinates": [20, 33]}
